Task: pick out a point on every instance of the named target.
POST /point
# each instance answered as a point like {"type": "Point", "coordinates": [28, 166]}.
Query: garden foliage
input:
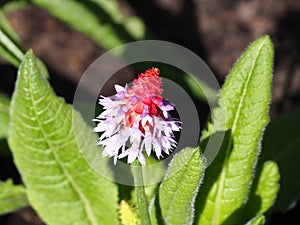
{"type": "Point", "coordinates": [239, 187]}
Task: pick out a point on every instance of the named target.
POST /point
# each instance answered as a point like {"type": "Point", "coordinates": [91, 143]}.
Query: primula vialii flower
{"type": "Point", "coordinates": [137, 119]}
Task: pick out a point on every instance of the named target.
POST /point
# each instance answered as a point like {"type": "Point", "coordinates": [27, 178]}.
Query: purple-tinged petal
{"type": "Point", "coordinates": [141, 158]}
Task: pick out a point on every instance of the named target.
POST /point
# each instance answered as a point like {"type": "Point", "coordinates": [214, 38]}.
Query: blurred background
{"type": "Point", "coordinates": [216, 30]}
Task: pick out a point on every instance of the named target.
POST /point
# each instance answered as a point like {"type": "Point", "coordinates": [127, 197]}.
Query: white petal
{"type": "Point", "coordinates": [165, 113]}
{"type": "Point", "coordinates": [115, 159]}
{"type": "Point", "coordinates": [157, 149]}
{"type": "Point", "coordinates": [147, 142]}
{"type": "Point", "coordinates": [123, 154]}
{"type": "Point", "coordinates": [146, 119]}
{"type": "Point", "coordinates": [133, 153]}
{"type": "Point", "coordinates": [119, 88]}
{"type": "Point", "coordinates": [142, 159]}
{"type": "Point", "coordinates": [175, 126]}
{"type": "Point", "coordinates": [165, 143]}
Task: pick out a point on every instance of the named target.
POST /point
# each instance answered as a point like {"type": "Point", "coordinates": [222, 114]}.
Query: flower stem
{"type": "Point", "coordinates": [140, 193]}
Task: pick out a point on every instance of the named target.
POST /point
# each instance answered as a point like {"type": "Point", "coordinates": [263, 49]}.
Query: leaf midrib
{"type": "Point", "coordinates": [87, 207]}
{"type": "Point", "coordinates": [224, 170]}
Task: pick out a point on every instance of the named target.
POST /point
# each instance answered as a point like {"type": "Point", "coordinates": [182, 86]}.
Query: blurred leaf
{"type": "Point", "coordinates": [199, 88]}
{"type": "Point", "coordinates": [281, 144]}
{"type": "Point", "coordinates": [128, 214]}
{"type": "Point", "coordinates": [242, 114]}
{"type": "Point", "coordinates": [133, 25]}
{"type": "Point", "coordinates": [10, 47]}
{"type": "Point", "coordinates": [263, 193]}
{"type": "Point", "coordinates": [102, 20]}
{"type": "Point", "coordinates": [178, 190]}
{"type": "Point", "coordinates": [259, 220]}
{"type": "Point", "coordinates": [14, 5]}
{"type": "Point", "coordinates": [4, 116]}
{"type": "Point", "coordinates": [12, 197]}
{"type": "Point", "coordinates": [61, 186]}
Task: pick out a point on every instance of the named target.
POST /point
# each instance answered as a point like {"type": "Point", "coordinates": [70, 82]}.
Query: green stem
{"type": "Point", "coordinates": [140, 193]}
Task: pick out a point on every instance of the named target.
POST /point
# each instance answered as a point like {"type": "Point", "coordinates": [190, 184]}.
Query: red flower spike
{"type": "Point", "coordinates": [137, 115]}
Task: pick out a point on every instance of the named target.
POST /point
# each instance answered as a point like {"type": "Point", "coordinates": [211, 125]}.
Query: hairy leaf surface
{"type": "Point", "coordinates": [178, 190]}
{"type": "Point", "coordinates": [61, 186]}
{"type": "Point", "coordinates": [263, 193]}
{"type": "Point", "coordinates": [242, 114]}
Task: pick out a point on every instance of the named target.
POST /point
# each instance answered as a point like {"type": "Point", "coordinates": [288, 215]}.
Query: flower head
{"type": "Point", "coordinates": [137, 119]}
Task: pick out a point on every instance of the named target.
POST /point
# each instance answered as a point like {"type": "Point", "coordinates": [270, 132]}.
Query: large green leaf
{"type": "Point", "coordinates": [242, 114]}
{"type": "Point", "coordinates": [61, 186]}
{"type": "Point", "coordinates": [178, 190]}
{"type": "Point", "coordinates": [100, 19]}
{"type": "Point", "coordinates": [12, 197]}
{"type": "Point", "coordinates": [4, 116]}
{"type": "Point", "coordinates": [263, 193]}
{"type": "Point", "coordinates": [282, 144]}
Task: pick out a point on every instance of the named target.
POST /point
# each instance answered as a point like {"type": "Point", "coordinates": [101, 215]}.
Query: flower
{"type": "Point", "coordinates": [137, 119]}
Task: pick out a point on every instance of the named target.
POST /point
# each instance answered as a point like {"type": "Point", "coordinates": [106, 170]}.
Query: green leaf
{"type": "Point", "coordinates": [12, 197]}
{"type": "Point", "coordinates": [281, 144]}
{"type": "Point", "coordinates": [4, 116]}
{"type": "Point", "coordinates": [263, 193]}
{"type": "Point", "coordinates": [133, 25]}
{"type": "Point", "coordinates": [10, 47]}
{"type": "Point", "coordinates": [14, 5]}
{"type": "Point", "coordinates": [199, 88]}
{"type": "Point", "coordinates": [128, 214]}
{"type": "Point", "coordinates": [102, 20]}
{"type": "Point", "coordinates": [259, 220]}
{"type": "Point", "coordinates": [61, 186]}
{"type": "Point", "coordinates": [179, 188]}
{"type": "Point", "coordinates": [242, 114]}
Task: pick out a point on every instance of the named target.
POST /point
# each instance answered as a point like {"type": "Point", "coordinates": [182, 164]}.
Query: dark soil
{"type": "Point", "coordinates": [218, 31]}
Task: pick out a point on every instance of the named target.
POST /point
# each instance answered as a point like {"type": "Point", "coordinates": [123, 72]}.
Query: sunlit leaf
{"type": "Point", "coordinates": [242, 114]}
{"type": "Point", "coordinates": [178, 190]}
{"type": "Point", "coordinates": [263, 193]}
{"type": "Point", "coordinates": [12, 197]}
{"type": "Point", "coordinates": [61, 186]}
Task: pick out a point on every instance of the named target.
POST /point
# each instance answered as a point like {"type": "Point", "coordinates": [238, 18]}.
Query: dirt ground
{"type": "Point", "coordinates": [218, 31]}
